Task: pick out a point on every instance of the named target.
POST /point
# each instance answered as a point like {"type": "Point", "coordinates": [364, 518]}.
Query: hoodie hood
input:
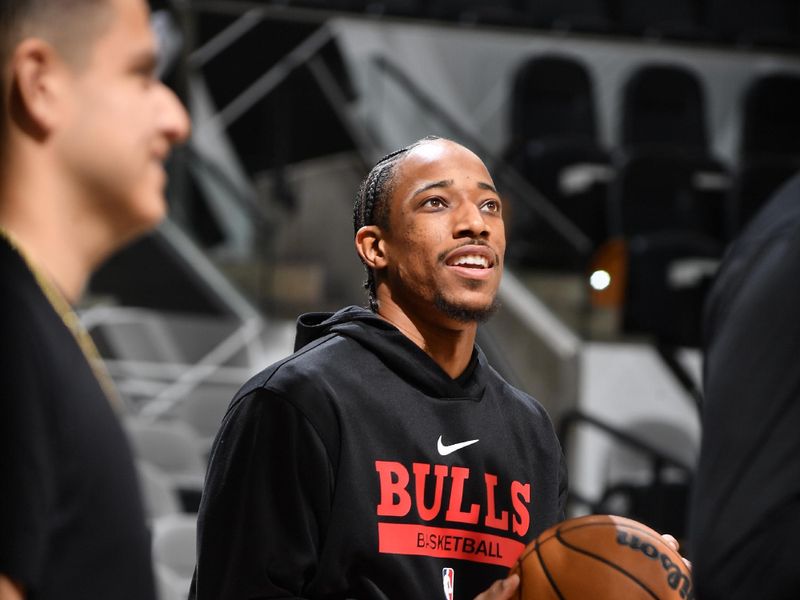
{"type": "Point", "coordinates": [397, 351]}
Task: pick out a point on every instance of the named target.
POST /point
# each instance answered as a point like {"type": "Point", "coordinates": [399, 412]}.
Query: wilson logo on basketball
{"type": "Point", "coordinates": [419, 493]}
{"type": "Point", "coordinates": [676, 579]}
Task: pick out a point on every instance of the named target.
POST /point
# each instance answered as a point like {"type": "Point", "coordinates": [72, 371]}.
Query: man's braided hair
{"type": "Point", "coordinates": [372, 202]}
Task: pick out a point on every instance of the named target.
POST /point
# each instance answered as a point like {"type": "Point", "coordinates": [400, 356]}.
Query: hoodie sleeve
{"type": "Point", "coordinates": [266, 503]}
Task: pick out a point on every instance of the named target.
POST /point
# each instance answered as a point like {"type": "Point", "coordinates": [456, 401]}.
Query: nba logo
{"type": "Point", "coordinates": [448, 576]}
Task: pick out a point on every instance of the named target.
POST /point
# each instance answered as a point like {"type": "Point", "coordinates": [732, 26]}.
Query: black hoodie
{"type": "Point", "coordinates": [357, 468]}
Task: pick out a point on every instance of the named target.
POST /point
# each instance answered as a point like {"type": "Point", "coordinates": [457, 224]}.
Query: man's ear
{"type": "Point", "coordinates": [371, 246]}
{"type": "Point", "coordinates": [37, 83]}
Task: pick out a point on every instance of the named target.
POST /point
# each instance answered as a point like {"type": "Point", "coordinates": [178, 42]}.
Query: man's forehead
{"type": "Point", "coordinates": [128, 33]}
{"type": "Point", "coordinates": [432, 156]}
{"type": "Point", "coordinates": [435, 150]}
{"type": "Point", "coordinates": [130, 16]}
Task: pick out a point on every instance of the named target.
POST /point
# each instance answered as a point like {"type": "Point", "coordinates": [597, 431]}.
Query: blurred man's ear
{"type": "Point", "coordinates": [37, 82]}
{"type": "Point", "coordinates": [370, 246]}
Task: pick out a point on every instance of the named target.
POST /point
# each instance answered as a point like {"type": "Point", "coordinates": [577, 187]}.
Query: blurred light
{"type": "Point", "coordinates": [600, 280]}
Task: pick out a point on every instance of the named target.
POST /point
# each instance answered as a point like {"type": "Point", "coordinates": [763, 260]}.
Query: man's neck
{"type": "Point", "coordinates": [57, 239]}
{"type": "Point", "coordinates": [449, 343]}
{"type": "Point", "coordinates": [65, 268]}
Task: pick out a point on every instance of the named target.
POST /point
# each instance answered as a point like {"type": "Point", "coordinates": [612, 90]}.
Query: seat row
{"type": "Point", "coordinates": [772, 23]}
{"type": "Point", "coordinates": [663, 174]}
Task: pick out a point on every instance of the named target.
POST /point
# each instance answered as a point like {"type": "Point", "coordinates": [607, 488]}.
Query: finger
{"type": "Point", "coordinates": [671, 541]}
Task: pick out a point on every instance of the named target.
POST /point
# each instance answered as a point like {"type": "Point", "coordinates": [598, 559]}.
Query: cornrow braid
{"type": "Point", "coordinates": [371, 206]}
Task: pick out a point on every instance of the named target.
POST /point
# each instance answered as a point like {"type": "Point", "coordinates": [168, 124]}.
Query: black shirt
{"type": "Point", "coordinates": [71, 519]}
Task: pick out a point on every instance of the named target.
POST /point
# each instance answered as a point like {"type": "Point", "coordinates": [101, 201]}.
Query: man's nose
{"type": "Point", "coordinates": [175, 120]}
{"type": "Point", "coordinates": [470, 221]}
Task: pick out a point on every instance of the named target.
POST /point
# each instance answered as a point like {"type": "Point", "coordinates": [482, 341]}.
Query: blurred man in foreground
{"type": "Point", "coordinates": [745, 517]}
{"type": "Point", "coordinates": [84, 129]}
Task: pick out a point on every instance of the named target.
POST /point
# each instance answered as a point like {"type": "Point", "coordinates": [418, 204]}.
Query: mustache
{"type": "Point", "coordinates": [442, 256]}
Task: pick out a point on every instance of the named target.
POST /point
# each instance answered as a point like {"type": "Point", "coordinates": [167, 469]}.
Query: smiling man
{"type": "Point", "coordinates": [84, 128]}
{"type": "Point", "coordinates": [386, 458]}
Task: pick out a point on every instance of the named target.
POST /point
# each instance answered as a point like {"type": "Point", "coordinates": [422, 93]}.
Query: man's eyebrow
{"type": "Point", "coordinates": [448, 182]}
{"type": "Point", "coordinates": [435, 184]}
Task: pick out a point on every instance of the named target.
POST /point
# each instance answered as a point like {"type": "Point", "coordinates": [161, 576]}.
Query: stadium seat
{"type": "Point", "coordinates": [553, 132]}
{"type": "Point", "coordinates": [666, 189]}
{"type": "Point", "coordinates": [755, 181]}
{"type": "Point", "coordinates": [769, 148]}
{"type": "Point", "coordinates": [573, 174]}
{"type": "Point", "coordinates": [663, 105]}
{"type": "Point", "coordinates": [552, 95]}
{"type": "Point", "coordinates": [668, 276]}
{"type": "Point", "coordinates": [770, 117]}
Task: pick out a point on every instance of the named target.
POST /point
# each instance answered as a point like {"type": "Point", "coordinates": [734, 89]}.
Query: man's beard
{"type": "Point", "coordinates": [465, 314]}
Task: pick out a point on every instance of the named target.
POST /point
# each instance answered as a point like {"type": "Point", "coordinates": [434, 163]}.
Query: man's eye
{"type": "Point", "coordinates": [434, 202]}
{"type": "Point", "coordinates": [492, 206]}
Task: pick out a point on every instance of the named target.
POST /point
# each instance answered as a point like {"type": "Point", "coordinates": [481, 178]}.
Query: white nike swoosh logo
{"type": "Point", "coordinates": [445, 449]}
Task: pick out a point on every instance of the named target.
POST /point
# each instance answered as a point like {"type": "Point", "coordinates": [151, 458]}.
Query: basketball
{"type": "Point", "coordinates": [601, 557]}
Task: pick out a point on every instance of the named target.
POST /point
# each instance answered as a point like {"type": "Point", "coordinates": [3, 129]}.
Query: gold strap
{"type": "Point", "coordinates": [73, 323]}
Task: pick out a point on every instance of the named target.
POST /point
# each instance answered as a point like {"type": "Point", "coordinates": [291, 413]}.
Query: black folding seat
{"type": "Point", "coordinates": [668, 277]}
{"type": "Point", "coordinates": [755, 181]}
{"type": "Point", "coordinates": [771, 116]}
{"type": "Point", "coordinates": [554, 145]}
{"type": "Point", "coordinates": [574, 176]}
{"type": "Point", "coordinates": [755, 22]}
{"type": "Point", "coordinates": [669, 189]}
{"type": "Point", "coordinates": [552, 96]}
{"type": "Point", "coordinates": [664, 105]}
{"type": "Point", "coordinates": [769, 148]}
